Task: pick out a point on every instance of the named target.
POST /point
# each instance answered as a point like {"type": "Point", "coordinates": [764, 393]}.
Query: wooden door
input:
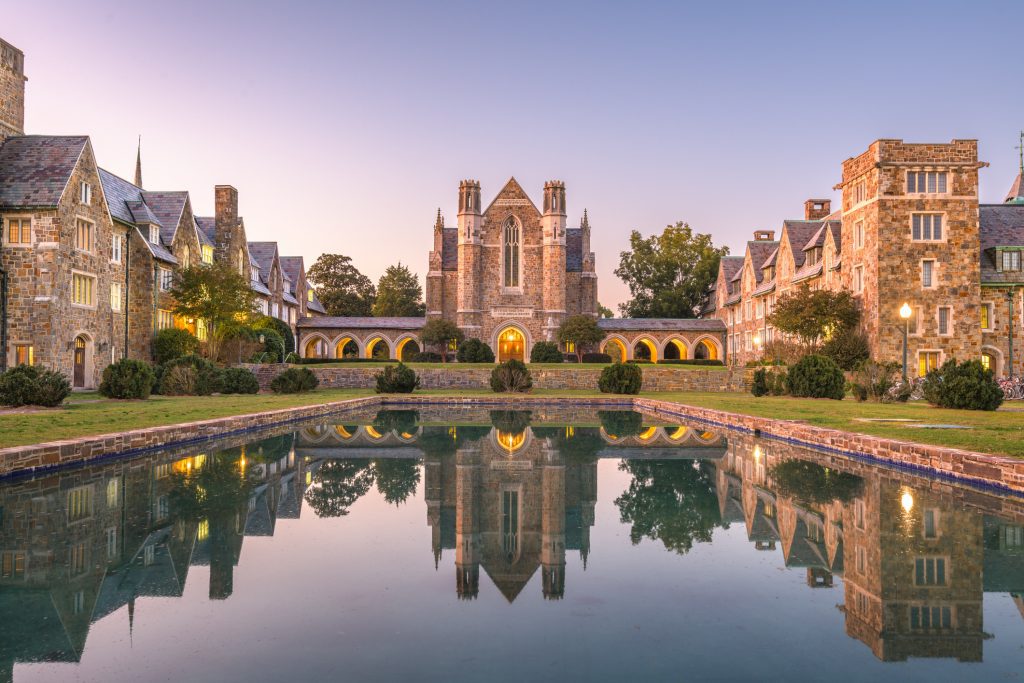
{"type": "Point", "coordinates": [79, 362]}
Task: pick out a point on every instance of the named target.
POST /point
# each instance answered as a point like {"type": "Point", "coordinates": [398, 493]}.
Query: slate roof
{"type": "Point", "coordinates": [289, 299]}
{"type": "Point", "coordinates": [1002, 225]}
{"type": "Point", "coordinates": [800, 233]}
{"type": "Point", "coordinates": [1016, 193]}
{"type": "Point", "coordinates": [770, 261]}
{"type": "Point", "coordinates": [207, 230]}
{"type": "Point", "coordinates": [168, 207]}
{"type": "Point", "coordinates": [837, 235]}
{"type": "Point", "coordinates": [818, 238]}
{"type": "Point", "coordinates": [764, 288]}
{"type": "Point", "coordinates": [292, 267]}
{"type": "Point", "coordinates": [760, 251]}
{"type": "Point", "coordinates": [127, 205]}
{"type": "Point", "coordinates": [259, 287]}
{"type": "Point", "coordinates": [450, 249]}
{"type": "Point", "coordinates": [263, 253]}
{"type": "Point", "coordinates": [316, 306]}
{"type": "Point", "coordinates": [652, 324]}
{"type": "Point", "coordinates": [573, 250]}
{"type": "Point", "coordinates": [730, 266]}
{"type": "Point", "coordinates": [807, 272]}
{"type": "Point", "coordinates": [35, 169]}
{"type": "Point", "coordinates": [343, 322]}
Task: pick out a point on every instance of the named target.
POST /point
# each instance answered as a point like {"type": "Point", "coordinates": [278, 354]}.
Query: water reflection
{"type": "Point", "coordinates": [508, 494]}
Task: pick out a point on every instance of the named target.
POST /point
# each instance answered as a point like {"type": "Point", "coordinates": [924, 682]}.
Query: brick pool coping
{"type": "Point", "coordinates": [991, 471]}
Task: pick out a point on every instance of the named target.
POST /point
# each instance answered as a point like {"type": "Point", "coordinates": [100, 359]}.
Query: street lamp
{"type": "Point", "coordinates": [905, 312]}
{"type": "Point", "coordinates": [757, 342]}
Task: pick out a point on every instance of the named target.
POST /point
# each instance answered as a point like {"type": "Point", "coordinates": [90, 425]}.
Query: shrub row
{"type": "Point", "coordinates": [31, 385]}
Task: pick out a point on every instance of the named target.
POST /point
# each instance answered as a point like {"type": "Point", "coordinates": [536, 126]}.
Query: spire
{"type": "Point", "coordinates": [131, 618]}
{"type": "Point", "coordinates": [437, 557]}
{"type": "Point", "coordinates": [585, 221]}
{"type": "Point", "coordinates": [138, 165]}
{"type": "Point", "coordinates": [439, 223]}
{"type": "Point", "coordinates": [1016, 193]}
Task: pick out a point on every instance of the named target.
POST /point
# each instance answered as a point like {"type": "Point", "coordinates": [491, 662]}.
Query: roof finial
{"type": "Point", "coordinates": [585, 221]}
{"type": "Point", "coordinates": [138, 165]}
{"type": "Point", "coordinates": [1020, 149]}
{"type": "Point", "coordinates": [439, 223]}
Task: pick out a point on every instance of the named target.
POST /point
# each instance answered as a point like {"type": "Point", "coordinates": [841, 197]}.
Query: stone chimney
{"type": "Point", "coordinates": [227, 237]}
{"type": "Point", "coordinates": [764, 235]}
{"type": "Point", "coordinates": [12, 91]}
{"type": "Point", "coordinates": [816, 209]}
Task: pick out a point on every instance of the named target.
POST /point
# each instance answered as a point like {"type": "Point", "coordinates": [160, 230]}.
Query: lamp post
{"type": "Point", "coordinates": [905, 313]}
{"type": "Point", "coordinates": [1009, 307]}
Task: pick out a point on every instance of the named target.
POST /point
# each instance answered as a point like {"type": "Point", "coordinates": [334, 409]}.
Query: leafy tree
{"type": "Point", "coordinates": [669, 501]}
{"type": "Point", "coordinates": [668, 274]}
{"type": "Point", "coordinates": [814, 315]}
{"type": "Point", "coordinates": [341, 288]}
{"type": "Point", "coordinates": [337, 485]}
{"type": "Point", "coordinates": [809, 482]}
{"type": "Point", "coordinates": [581, 330]}
{"type": "Point", "coordinates": [604, 312]}
{"type": "Point", "coordinates": [399, 293]}
{"type": "Point", "coordinates": [397, 478]}
{"type": "Point", "coordinates": [440, 332]}
{"type": "Point", "coordinates": [219, 297]}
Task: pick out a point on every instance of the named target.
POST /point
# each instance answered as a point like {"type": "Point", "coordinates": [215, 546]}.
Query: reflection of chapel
{"type": "Point", "coordinates": [510, 504]}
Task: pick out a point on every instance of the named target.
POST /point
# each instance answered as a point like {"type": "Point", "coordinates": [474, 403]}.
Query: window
{"type": "Point", "coordinates": [154, 234]}
{"type": "Point", "coordinates": [862, 560]}
{"type": "Point", "coordinates": [859, 513]}
{"type": "Point", "coordinates": [930, 571]}
{"type": "Point", "coordinates": [83, 289]}
{"type": "Point", "coordinates": [511, 231]}
{"type": "Point", "coordinates": [931, 182]}
{"type": "Point", "coordinates": [988, 361]}
{"type": "Point", "coordinates": [254, 274]}
{"type": "Point", "coordinates": [986, 316]}
{"type": "Point", "coordinates": [945, 316]}
{"type": "Point", "coordinates": [760, 308]}
{"type": "Point", "coordinates": [930, 521]}
{"type": "Point", "coordinates": [24, 354]}
{"type": "Point", "coordinates": [860, 192]}
{"type": "Point", "coordinates": [928, 273]}
{"type": "Point", "coordinates": [200, 329]}
{"type": "Point", "coordinates": [927, 361]}
{"type": "Point", "coordinates": [85, 193]}
{"type": "Point", "coordinates": [165, 277]}
{"type": "Point", "coordinates": [113, 487]}
{"type": "Point", "coordinates": [241, 261]}
{"type": "Point", "coordinates": [19, 231]}
{"type": "Point", "coordinates": [79, 503]}
{"type": "Point", "coordinates": [115, 296]}
{"type": "Point", "coordinates": [186, 257]}
{"type": "Point", "coordinates": [925, 618]}
{"type": "Point", "coordinates": [76, 564]}
{"type": "Point", "coordinates": [111, 543]}
{"type": "Point", "coordinates": [291, 315]}
{"type": "Point", "coordinates": [309, 295]}
{"type": "Point", "coordinates": [13, 565]}
{"type": "Point", "coordinates": [1011, 260]}
{"type": "Point", "coordinates": [83, 235]}
{"type": "Point", "coordinates": [164, 319]}
{"type": "Point", "coordinates": [858, 279]}
{"type": "Point", "coordinates": [569, 347]}
{"type": "Point", "coordinates": [116, 248]}
{"type": "Point", "coordinates": [1012, 536]}
{"type": "Point", "coordinates": [207, 254]}
{"type": "Point", "coordinates": [163, 508]}
{"type": "Point", "coordinates": [926, 227]}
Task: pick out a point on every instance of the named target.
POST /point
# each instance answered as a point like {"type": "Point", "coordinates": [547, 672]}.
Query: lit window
{"type": "Point", "coordinates": [19, 231]}
{"type": "Point", "coordinates": [291, 315]}
{"type": "Point", "coordinates": [13, 565]}
{"type": "Point", "coordinates": [930, 571]}
{"type": "Point", "coordinates": [986, 316]}
{"type": "Point", "coordinates": [83, 235]}
{"type": "Point", "coordinates": [1011, 260]}
{"type": "Point", "coordinates": [113, 487]}
{"type": "Point", "coordinates": [928, 273]}
{"type": "Point", "coordinates": [79, 503]}
{"type": "Point", "coordinates": [166, 278]}
{"type": "Point", "coordinates": [945, 314]}
{"type": "Point", "coordinates": [24, 354]}
{"type": "Point", "coordinates": [85, 193]}
{"type": "Point", "coordinates": [154, 234]}
{"type": "Point", "coordinates": [83, 290]}
{"type": "Point", "coordinates": [116, 248]}
{"type": "Point", "coordinates": [926, 227]}
{"type": "Point", "coordinates": [309, 295]}
{"type": "Point", "coordinates": [115, 296]}
{"type": "Point", "coordinates": [164, 319]}
{"type": "Point", "coordinates": [111, 543]}
{"type": "Point", "coordinates": [930, 182]}
{"type": "Point", "coordinates": [927, 361]}
{"type": "Point", "coordinates": [570, 347]}
{"type": "Point", "coordinates": [207, 254]}
{"type": "Point", "coordinates": [200, 329]}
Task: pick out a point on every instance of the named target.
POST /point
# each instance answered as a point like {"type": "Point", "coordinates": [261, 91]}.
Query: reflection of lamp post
{"type": "Point", "coordinates": [905, 313]}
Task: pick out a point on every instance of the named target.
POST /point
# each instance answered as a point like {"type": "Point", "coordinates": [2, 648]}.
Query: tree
{"type": "Point", "coordinates": [814, 315]}
{"type": "Point", "coordinates": [399, 294]}
{"type": "Point", "coordinates": [396, 478]}
{"type": "Point", "coordinates": [441, 332]}
{"type": "Point", "coordinates": [604, 312]}
{"type": "Point", "coordinates": [341, 288]}
{"type": "Point", "coordinates": [668, 274]}
{"type": "Point", "coordinates": [337, 485]}
{"type": "Point", "coordinates": [580, 330]}
{"type": "Point", "coordinates": [217, 297]}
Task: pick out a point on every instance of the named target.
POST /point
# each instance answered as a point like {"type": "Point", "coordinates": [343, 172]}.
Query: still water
{"type": "Point", "coordinates": [469, 544]}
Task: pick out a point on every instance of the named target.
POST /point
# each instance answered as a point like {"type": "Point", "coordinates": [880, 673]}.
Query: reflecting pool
{"type": "Point", "coordinates": [475, 544]}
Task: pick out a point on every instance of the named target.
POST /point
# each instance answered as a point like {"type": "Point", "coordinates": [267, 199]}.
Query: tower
{"type": "Point", "coordinates": [552, 551]}
{"type": "Point", "coordinates": [435, 275]}
{"type": "Point", "coordinates": [588, 274]}
{"type": "Point", "coordinates": [467, 520]}
{"type": "Point", "coordinates": [470, 258]}
{"type": "Point", "coordinates": [12, 91]}
{"type": "Point", "coordinates": [553, 247]}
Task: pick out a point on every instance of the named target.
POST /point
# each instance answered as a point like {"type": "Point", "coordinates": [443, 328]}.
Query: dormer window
{"type": "Point", "coordinates": [255, 273]}
{"type": "Point", "coordinates": [154, 234]}
{"type": "Point", "coordinates": [207, 254]}
{"type": "Point", "coordinates": [813, 256]}
{"type": "Point", "coordinates": [309, 295]}
{"type": "Point", "coordinates": [1011, 260]}
{"type": "Point", "coordinates": [769, 272]}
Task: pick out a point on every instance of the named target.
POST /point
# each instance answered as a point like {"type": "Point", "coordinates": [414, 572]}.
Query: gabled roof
{"type": "Point", "coordinates": [512, 187]}
{"type": "Point", "coordinates": [836, 227]}
{"type": "Point", "coordinates": [771, 260]}
{"type": "Point", "coordinates": [799, 234]}
{"type": "Point", "coordinates": [818, 238]}
{"type": "Point", "coordinates": [1001, 225]}
{"type": "Point", "coordinates": [292, 266]}
{"type": "Point", "coordinates": [760, 251]}
{"type": "Point", "coordinates": [128, 206]}
{"type": "Point", "coordinates": [168, 207]}
{"type": "Point", "coordinates": [652, 324]}
{"type": "Point", "coordinates": [316, 306]}
{"type": "Point", "coordinates": [730, 266]}
{"type": "Point", "coordinates": [207, 226]}
{"type": "Point", "coordinates": [573, 250]}
{"type": "Point", "coordinates": [263, 254]}
{"type": "Point", "coordinates": [35, 169]}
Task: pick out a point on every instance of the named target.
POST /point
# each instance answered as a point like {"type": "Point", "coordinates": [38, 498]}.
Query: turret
{"type": "Point", "coordinates": [470, 258]}
{"type": "Point", "coordinates": [469, 212]}
{"type": "Point", "coordinates": [553, 230]}
{"type": "Point", "coordinates": [554, 212]}
{"type": "Point", "coordinates": [12, 88]}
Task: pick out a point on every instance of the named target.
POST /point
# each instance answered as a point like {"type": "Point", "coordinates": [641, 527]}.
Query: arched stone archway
{"type": "Point", "coordinates": [617, 348]}
{"type": "Point", "coordinates": [82, 350]}
{"type": "Point", "coordinates": [707, 348]}
{"type": "Point", "coordinates": [406, 347]}
{"type": "Point", "coordinates": [315, 346]}
{"type": "Point", "coordinates": [346, 347]}
{"type": "Point", "coordinates": [511, 341]}
{"type": "Point", "coordinates": [379, 347]}
{"type": "Point", "coordinates": [645, 348]}
{"type": "Point", "coordinates": [675, 349]}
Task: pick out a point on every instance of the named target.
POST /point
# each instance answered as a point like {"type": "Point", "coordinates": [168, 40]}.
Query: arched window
{"type": "Point", "coordinates": [511, 252]}
{"type": "Point", "coordinates": [241, 261]}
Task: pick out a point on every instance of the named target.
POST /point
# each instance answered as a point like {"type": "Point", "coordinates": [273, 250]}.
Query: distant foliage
{"type": "Point", "coordinates": [399, 293]}
{"type": "Point", "coordinates": [239, 381]}
{"type": "Point", "coordinates": [621, 378]}
{"type": "Point", "coordinates": [967, 386]}
{"type": "Point", "coordinates": [173, 343]}
{"type": "Point", "coordinates": [128, 379]}
{"type": "Point", "coordinates": [474, 351]}
{"type": "Point", "coordinates": [340, 287]}
{"type": "Point", "coordinates": [582, 331]}
{"type": "Point", "coordinates": [811, 315]}
{"type": "Point", "coordinates": [397, 379]}
{"type": "Point", "coordinates": [31, 385]}
{"type": "Point", "coordinates": [397, 421]}
{"type": "Point", "coordinates": [848, 348]}
{"type": "Point", "coordinates": [294, 381]}
{"type": "Point", "coordinates": [621, 423]}
{"type": "Point", "coordinates": [546, 352]}
{"type": "Point", "coordinates": [816, 377]}
{"type": "Point", "coordinates": [809, 482]}
{"type": "Point", "coordinates": [439, 333]}
{"type": "Point", "coordinates": [283, 330]}
{"type": "Point", "coordinates": [511, 376]}
{"type": "Point", "coordinates": [511, 421]}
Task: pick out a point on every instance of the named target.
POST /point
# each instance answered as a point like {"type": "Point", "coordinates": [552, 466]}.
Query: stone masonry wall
{"type": "Point", "coordinates": [12, 91]}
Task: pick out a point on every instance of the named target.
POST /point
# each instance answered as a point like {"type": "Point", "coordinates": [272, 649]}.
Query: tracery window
{"type": "Point", "coordinates": [512, 251]}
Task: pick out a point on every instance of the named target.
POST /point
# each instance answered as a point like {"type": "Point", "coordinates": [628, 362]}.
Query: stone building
{"type": "Point", "coordinates": [910, 230]}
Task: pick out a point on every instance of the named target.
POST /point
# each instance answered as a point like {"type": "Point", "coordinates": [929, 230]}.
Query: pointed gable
{"type": "Point", "coordinates": [1016, 193]}
{"type": "Point", "coordinates": [512, 195]}
{"type": "Point", "coordinates": [168, 207]}
{"type": "Point", "coordinates": [35, 169]}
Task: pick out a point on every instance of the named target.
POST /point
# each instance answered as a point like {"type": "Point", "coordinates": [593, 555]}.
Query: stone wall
{"type": "Point", "coordinates": [571, 377]}
{"type": "Point", "coordinates": [12, 91]}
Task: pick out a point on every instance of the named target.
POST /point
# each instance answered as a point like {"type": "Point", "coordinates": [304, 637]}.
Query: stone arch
{"type": "Point", "coordinates": [646, 342]}
{"type": "Point", "coordinates": [315, 346]}
{"type": "Point", "coordinates": [707, 347]}
{"type": "Point", "coordinates": [504, 327]}
{"type": "Point", "coordinates": [619, 344]}
{"type": "Point", "coordinates": [403, 340]}
{"type": "Point", "coordinates": [996, 357]}
{"type": "Point", "coordinates": [340, 343]}
{"type": "Point", "coordinates": [83, 354]}
{"type": "Point", "coordinates": [675, 348]}
{"type": "Point", "coordinates": [371, 345]}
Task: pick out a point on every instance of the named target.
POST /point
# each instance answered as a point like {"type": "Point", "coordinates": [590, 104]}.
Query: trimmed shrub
{"type": "Point", "coordinates": [128, 378]}
{"type": "Point", "coordinates": [690, 361]}
{"type": "Point", "coordinates": [778, 381]}
{"type": "Point", "coordinates": [848, 348]}
{"type": "Point", "coordinates": [430, 357]}
{"type": "Point", "coordinates": [206, 382]}
{"type": "Point", "coordinates": [474, 351]}
{"type": "Point", "coordinates": [173, 343]}
{"type": "Point", "coordinates": [545, 352]}
{"type": "Point", "coordinates": [597, 358]}
{"type": "Point", "coordinates": [967, 386]}
{"type": "Point", "coordinates": [816, 376]}
{"type": "Point", "coordinates": [511, 376]}
{"type": "Point", "coordinates": [31, 385]}
{"type": "Point", "coordinates": [294, 381]}
{"type": "Point", "coordinates": [179, 380]}
{"type": "Point", "coordinates": [397, 379]}
{"type": "Point", "coordinates": [759, 387]}
{"type": "Point", "coordinates": [239, 381]}
{"type": "Point", "coordinates": [621, 378]}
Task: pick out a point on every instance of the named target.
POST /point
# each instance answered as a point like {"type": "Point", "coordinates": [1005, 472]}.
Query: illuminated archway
{"type": "Point", "coordinates": [406, 348]}
{"type": "Point", "coordinates": [992, 359]}
{"type": "Point", "coordinates": [647, 434]}
{"type": "Point", "coordinates": [645, 349]}
{"type": "Point", "coordinates": [706, 349]}
{"type": "Point", "coordinates": [511, 344]}
{"type": "Point", "coordinates": [679, 433]}
{"type": "Point", "coordinates": [675, 349]}
{"type": "Point", "coordinates": [372, 433]}
{"type": "Point", "coordinates": [378, 348]}
{"type": "Point", "coordinates": [616, 348]}
{"type": "Point", "coordinates": [347, 347]}
{"type": "Point", "coordinates": [315, 347]}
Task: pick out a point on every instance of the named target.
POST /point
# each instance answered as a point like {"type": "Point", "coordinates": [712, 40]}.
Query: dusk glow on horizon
{"type": "Point", "coordinates": [345, 126]}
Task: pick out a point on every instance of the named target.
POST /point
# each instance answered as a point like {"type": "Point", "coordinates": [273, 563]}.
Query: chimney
{"type": "Point", "coordinates": [226, 238]}
{"type": "Point", "coordinates": [12, 87]}
{"type": "Point", "coordinates": [816, 209]}
{"type": "Point", "coordinates": [226, 202]}
{"type": "Point", "coordinates": [764, 235]}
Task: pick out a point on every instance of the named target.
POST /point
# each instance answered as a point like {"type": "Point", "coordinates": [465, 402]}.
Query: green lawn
{"type": "Point", "coordinates": [1001, 431]}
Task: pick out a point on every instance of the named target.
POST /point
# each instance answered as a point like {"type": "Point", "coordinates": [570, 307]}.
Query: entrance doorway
{"type": "Point", "coordinates": [511, 345]}
{"type": "Point", "coordinates": [79, 374]}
